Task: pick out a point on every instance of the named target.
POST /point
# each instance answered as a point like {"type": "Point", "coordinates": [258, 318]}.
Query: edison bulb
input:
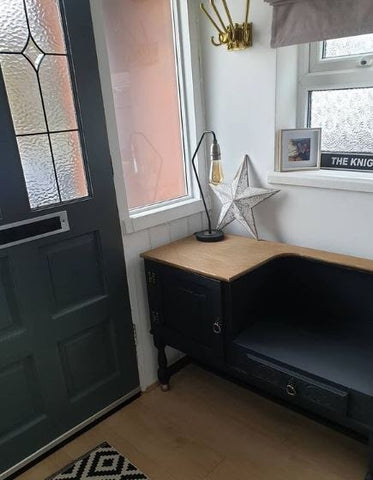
{"type": "Point", "coordinates": [216, 173]}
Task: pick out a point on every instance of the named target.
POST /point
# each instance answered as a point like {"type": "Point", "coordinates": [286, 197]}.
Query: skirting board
{"type": "Point", "coordinates": [55, 443]}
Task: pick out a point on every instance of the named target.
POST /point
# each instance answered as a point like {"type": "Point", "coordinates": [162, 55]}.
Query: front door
{"type": "Point", "coordinates": [66, 340]}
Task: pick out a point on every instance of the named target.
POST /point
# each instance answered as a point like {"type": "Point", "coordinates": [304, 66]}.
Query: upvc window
{"type": "Point", "coordinates": [156, 102]}
{"type": "Point", "coordinates": [335, 93]}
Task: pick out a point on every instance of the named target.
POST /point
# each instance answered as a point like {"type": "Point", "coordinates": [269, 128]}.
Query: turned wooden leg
{"type": "Point", "coordinates": [163, 373]}
{"type": "Point", "coordinates": [369, 475]}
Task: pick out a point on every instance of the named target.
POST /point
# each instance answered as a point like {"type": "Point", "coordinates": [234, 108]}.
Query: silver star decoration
{"type": "Point", "coordinates": [239, 199]}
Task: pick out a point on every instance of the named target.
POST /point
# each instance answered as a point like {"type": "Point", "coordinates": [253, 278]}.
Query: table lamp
{"type": "Point", "coordinates": [216, 177]}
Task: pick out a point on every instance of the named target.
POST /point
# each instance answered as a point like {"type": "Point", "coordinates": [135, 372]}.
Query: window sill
{"type": "Point", "coordinates": [328, 179]}
{"type": "Point", "coordinates": [162, 214]}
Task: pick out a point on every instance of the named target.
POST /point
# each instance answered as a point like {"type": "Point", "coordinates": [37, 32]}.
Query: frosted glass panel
{"type": "Point", "coordinates": [70, 170]}
{"type": "Point", "coordinates": [140, 41]}
{"type": "Point", "coordinates": [36, 72]}
{"type": "Point", "coordinates": [38, 170]}
{"type": "Point", "coordinates": [346, 119]}
{"type": "Point", "coordinates": [23, 94]}
{"type": "Point", "coordinates": [45, 25]}
{"type": "Point", "coordinates": [13, 26]}
{"type": "Point", "coordinates": [57, 93]}
{"type": "Point", "coordinates": [342, 47]}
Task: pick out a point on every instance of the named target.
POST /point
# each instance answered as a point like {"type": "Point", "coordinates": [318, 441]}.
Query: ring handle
{"type": "Point", "coordinates": [291, 390]}
{"type": "Point", "coordinates": [216, 328]}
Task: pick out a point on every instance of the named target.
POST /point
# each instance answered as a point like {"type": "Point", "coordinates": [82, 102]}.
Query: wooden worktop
{"type": "Point", "coordinates": [236, 255]}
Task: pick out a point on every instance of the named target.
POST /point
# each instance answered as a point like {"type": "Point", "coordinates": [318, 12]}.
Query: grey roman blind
{"type": "Point", "coordinates": [304, 21]}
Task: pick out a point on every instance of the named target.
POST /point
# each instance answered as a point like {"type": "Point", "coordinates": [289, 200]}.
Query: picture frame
{"type": "Point", "coordinates": [299, 149]}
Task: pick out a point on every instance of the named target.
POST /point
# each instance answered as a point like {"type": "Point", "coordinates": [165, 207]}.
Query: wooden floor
{"type": "Point", "coordinates": [208, 428]}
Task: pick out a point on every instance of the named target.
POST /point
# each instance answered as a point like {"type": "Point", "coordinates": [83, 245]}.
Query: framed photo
{"type": "Point", "coordinates": [299, 149]}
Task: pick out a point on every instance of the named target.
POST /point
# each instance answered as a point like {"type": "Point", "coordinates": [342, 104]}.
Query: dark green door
{"type": "Point", "coordinates": [66, 340]}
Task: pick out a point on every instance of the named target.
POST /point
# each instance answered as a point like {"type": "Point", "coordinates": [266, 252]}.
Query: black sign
{"type": "Point", "coordinates": [347, 161]}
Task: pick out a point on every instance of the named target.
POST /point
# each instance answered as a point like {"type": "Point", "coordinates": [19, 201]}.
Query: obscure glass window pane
{"type": "Point", "coordinates": [13, 26]}
{"type": "Point", "coordinates": [38, 170]}
{"type": "Point", "coordinates": [23, 94]}
{"type": "Point", "coordinates": [57, 93]}
{"type": "Point", "coordinates": [145, 88]}
{"type": "Point", "coordinates": [346, 119]}
{"type": "Point", "coordinates": [342, 47]}
{"type": "Point", "coordinates": [36, 73]}
{"type": "Point", "coordinates": [45, 25]}
{"type": "Point", "coordinates": [70, 170]}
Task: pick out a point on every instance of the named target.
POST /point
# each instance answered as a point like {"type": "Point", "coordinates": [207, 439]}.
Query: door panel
{"type": "Point", "coordinates": [21, 398]}
{"type": "Point", "coordinates": [75, 272]}
{"type": "Point", "coordinates": [66, 340]}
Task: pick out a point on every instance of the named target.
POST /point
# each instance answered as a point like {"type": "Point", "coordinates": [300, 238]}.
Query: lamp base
{"type": "Point", "coordinates": [209, 237]}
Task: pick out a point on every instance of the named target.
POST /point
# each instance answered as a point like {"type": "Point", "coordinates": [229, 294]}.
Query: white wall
{"type": "Point", "coordinates": [240, 92]}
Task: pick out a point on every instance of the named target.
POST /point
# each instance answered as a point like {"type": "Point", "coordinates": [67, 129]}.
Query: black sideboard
{"type": "Point", "coordinates": [294, 322]}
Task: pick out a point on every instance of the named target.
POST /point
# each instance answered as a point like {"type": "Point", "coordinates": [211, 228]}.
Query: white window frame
{"type": "Point", "coordinates": [348, 62]}
{"type": "Point", "coordinates": [189, 85]}
{"type": "Point", "coordinates": [300, 69]}
{"type": "Point", "coordinates": [317, 73]}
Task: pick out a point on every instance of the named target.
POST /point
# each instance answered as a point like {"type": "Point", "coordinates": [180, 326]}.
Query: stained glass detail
{"type": "Point", "coordinates": [342, 47]}
{"type": "Point", "coordinates": [346, 119]}
{"type": "Point", "coordinates": [57, 93]}
{"type": "Point", "coordinates": [45, 25]}
{"type": "Point", "coordinates": [33, 53]}
{"type": "Point", "coordinates": [69, 165]}
{"type": "Point", "coordinates": [38, 170]}
{"type": "Point", "coordinates": [13, 26]}
{"type": "Point", "coordinates": [23, 94]}
{"type": "Point", "coordinates": [35, 68]}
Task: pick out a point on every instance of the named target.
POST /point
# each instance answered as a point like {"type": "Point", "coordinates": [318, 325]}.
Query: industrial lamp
{"type": "Point", "coordinates": [216, 177]}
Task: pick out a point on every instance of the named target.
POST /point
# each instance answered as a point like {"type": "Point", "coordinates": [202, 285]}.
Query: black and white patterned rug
{"type": "Point", "coordinates": [102, 463]}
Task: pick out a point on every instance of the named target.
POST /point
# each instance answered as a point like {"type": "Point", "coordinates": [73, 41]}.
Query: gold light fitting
{"type": "Point", "coordinates": [236, 36]}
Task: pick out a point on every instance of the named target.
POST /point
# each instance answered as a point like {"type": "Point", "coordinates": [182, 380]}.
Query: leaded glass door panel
{"type": "Point", "coordinates": [35, 65]}
{"type": "Point", "coordinates": [66, 342]}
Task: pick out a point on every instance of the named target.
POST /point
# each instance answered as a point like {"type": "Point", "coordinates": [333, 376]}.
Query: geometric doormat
{"type": "Point", "coordinates": [101, 463]}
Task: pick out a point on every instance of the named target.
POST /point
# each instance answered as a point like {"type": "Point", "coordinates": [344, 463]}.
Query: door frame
{"type": "Point", "coordinates": [118, 173]}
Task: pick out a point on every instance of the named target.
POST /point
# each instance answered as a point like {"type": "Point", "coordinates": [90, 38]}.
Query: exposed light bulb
{"type": "Point", "coordinates": [216, 172]}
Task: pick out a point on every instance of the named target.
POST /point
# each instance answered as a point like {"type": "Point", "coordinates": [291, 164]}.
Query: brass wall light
{"type": "Point", "coordinates": [236, 36]}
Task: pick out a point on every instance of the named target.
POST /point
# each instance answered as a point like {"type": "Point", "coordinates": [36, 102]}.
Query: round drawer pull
{"type": "Point", "coordinates": [216, 328]}
{"type": "Point", "coordinates": [290, 390]}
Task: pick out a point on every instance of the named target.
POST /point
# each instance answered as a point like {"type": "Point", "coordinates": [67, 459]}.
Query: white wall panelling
{"type": "Point", "coordinates": [134, 244]}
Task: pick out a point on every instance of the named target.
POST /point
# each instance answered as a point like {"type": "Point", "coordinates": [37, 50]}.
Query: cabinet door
{"type": "Point", "coordinates": [186, 310]}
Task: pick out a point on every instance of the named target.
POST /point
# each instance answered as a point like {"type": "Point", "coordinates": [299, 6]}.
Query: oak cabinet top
{"type": "Point", "coordinates": [236, 255]}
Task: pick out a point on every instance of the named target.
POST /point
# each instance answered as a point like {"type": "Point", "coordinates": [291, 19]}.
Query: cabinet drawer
{"type": "Point", "coordinates": [302, 390]}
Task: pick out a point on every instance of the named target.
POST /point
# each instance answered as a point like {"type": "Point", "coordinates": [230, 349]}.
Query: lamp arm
{"type": "Point", "coordinates": [206, 132]}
